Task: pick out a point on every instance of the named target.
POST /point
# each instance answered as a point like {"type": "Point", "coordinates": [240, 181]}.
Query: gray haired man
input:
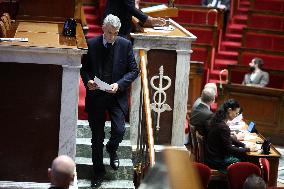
{"type": "Point", "coordinates": [111, 59]}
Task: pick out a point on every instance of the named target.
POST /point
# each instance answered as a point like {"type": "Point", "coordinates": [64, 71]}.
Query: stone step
{"type": "Point", "coordinates": [119, 184]}
{"type": "Point", "coordinates": [83, 148]}
{"type": "Point", "coordinates": [85, 170]}
{"type": "Point", "coordinates": [84, 131]}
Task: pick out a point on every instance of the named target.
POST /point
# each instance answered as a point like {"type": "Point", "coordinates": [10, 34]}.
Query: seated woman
{"type": "Point", "coordinates": [222, 149]}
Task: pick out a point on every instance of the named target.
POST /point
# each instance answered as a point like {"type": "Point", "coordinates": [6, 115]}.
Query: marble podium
{"type": "Point", "coordinates": [38, 101]}
{"type": "Point", "coordinates": [168, 57]}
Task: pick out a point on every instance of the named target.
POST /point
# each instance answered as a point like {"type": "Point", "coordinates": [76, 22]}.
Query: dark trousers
{"type": "Point", "coordinates": [97, 118]}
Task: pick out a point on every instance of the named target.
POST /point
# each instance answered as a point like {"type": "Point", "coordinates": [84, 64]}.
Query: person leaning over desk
{"type": "Point", "coordinates": [222, 149]}
{"type": "Point", "coordinates": [124, 10]}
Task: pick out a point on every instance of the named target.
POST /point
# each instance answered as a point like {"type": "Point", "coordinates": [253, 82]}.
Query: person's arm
{"type": "Point", "coordinates": [245, 79]}
{"type": "Point", "coordinates": [130, 5]}
{"type": "Point", "coordinates": [145, 19]}
{"type": "Point", "coordinates": [132, 73]}
{"type": "Point", "coordinates": [86, 70]}
{"type": "Point", "coordinates": [227, 141]}
{"type": "Point", "coordinates": [264, 79]}
{"type": "Point", "coordinates": [226, 4]}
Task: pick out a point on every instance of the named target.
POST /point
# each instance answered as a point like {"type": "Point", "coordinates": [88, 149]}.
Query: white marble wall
{"type": "Point", "coordinates": [70, 60]}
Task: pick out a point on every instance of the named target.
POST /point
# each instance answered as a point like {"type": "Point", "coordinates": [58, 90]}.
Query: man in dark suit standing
{"type": "Point", "coordinates": [124, 10]}
{"type": "Point", "coordinates": [111, 59]}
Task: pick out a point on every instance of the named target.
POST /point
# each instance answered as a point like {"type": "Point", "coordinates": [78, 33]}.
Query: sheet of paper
{"type": "Point", "coordinates": [152, 30]}
{"type": "Point", "coordinates": [164, 28]}
{"type": "Point", "coordinates": [237, 122]}
{"type": "Point", "coordinates": [102, 85]}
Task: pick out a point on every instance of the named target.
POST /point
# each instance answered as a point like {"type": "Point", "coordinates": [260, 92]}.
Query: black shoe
{"type": "Point", "coordinates": [114, 160]}
{"type": "Point", "coordinates": [99, 173]}
{"type": "Point", "coordinates": [98, 180]}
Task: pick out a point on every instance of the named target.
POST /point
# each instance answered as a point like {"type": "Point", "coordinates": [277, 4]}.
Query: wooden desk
{"type": "Point", "coordinates": [264, 106]}
{"type": "Point", "coordinates": [273, 158]}
{"type": "Point", "coordinates": [40, 114]}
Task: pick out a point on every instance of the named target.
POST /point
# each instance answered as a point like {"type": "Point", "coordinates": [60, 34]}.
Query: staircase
{"type": "Point", "coordinates": [93, 17]}
{"type": "Point", "coordinates": [231, 42]}
{"type": "Point", "coordinates": [122, 178]}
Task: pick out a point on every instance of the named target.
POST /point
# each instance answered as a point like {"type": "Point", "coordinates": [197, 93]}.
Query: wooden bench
{"type": "Point", "coordinates": [271, 5]}
{"type": "Point", "coordinates": [266, 20]}
{"type": "Point", "coordinates": [272, 59]}
{"type": "Point", "coordinates": [263, 39]}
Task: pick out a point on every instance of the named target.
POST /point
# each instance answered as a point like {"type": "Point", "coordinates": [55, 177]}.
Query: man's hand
{"type": "Point", "coordinates": [91, 85]}
{"type": "Point", "coordinates": [114, 88]}
{"type": "Point", "coordinates": [155, 22]}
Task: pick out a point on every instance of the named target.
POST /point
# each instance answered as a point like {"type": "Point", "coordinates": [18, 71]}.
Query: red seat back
{"type": "Point", "coordinates": [262, 21]}
{"type": "Point", "coordinates": [271, 5]}
{"type": "Point", "coordinates": [204, 173]}
{"type": "Point", "coordinates": [265, 168]}
{"type": "Point", "coordinates": [238, 172]}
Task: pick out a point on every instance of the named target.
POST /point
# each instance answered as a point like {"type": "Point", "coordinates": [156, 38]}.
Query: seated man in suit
{"type": "Point", "coordinates": [256, 77]}
{"type": "Point", "coordinates": [61, 173]}
{"type": "Point", "coordinates": [202, 113]}
{"type": "Point", "coordinates": [198, 100]}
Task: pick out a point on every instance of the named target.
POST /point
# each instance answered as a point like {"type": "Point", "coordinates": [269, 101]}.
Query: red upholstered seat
{"type": "Point", "coordinates": [238, 172]}
{"type": "Point", "coordinates": [271, 5]}
{"type": "Point", "coordinates": [204, 173]}
{"type": "Point", "coordinates": [195, 16]}
{"type": "Point", "coordinates": [266, 41]}
{"type": "Point", "coordinates": [265, 169]}
{"type": "Point", "coordinates": [271, 22]}
{"type": "Point", "coordinates": [271, 61]}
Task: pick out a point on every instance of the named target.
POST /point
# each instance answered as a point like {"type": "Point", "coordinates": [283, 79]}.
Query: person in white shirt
{"type": "Point", "coordinates": [256, 77]}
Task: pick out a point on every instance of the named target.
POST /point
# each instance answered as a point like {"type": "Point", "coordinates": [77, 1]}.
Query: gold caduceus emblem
{"type": "Point", "coordinates": [160, 97]}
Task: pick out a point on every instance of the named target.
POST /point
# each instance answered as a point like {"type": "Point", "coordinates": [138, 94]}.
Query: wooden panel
{"type": "Point", "coordinates": [195, 83]}
{"type": "Point", "coordinates": [30, 119]}
{"type": "Point", "coordinates": [46, 9]}
{"type": "Point", "coordinates": [167, 59]}
{"type": "Point", "coordinates": [264, 106]}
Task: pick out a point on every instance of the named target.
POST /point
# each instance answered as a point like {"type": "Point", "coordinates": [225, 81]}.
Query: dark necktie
{"type": "Point", "coordinates": [108, 64]}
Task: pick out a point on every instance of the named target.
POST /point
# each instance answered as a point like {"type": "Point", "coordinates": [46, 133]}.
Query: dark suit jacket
{"type": "Point", "coordinates": [124, 69]}
{"type": "Point", "coordinates": [220, 143]}
{"type": "Point", "coordinates": [200, 117]}
{"type": "Point", "coordinates": [124, 10]}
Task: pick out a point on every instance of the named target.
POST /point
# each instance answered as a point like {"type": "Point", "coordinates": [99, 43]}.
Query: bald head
{"type": "Point", "coordinates": [61, 172]}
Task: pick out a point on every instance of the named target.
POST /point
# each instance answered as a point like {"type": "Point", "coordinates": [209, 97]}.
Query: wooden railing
{"type": "Point", "coordinates": [147, 109]}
